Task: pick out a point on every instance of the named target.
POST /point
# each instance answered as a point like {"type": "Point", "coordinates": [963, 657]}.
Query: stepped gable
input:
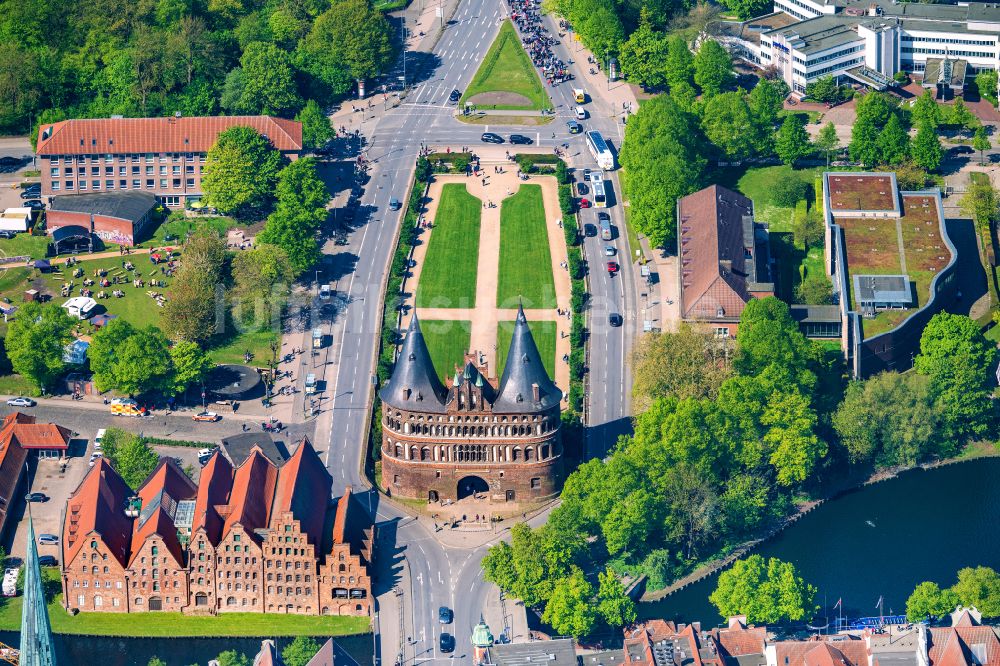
{"type": "Point", "coordinates": [352, 525]}
{"type": "Point", "coordinates": [167, 485]}
{"type": "Point", "coordinates": [98, 507]}
{"type": "Point", "coordinates": [214, 486]}
{"type": "Point", "coordinates": [523, 374]}
{"type": "Point", "coordinates": [470, 376]}
{"type": "Point", "coordinates": [302, 482]}
{"type": "Point", "coordinates": [252, 497]}
{"type": "Point", "coordinates": [414, 383]}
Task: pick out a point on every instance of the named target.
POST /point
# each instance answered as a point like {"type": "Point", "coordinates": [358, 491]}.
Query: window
{"type": "Point", "coordinates": [54, 172]}
{"type": "Point", "coordinates": [149, 183]}
{"type": "Point", "coordinates": [70, 185]}
{"type": "Point", "coordinates": [109, 171]}
{"type": "Point", "coordinates": [122, 170]}
{"type": "Point", "coordinates": [81, 600]}
{"type": "Point", "coordinates": [536, 483]}
{"type": "Point", "coordinates": [163, 171]}
{"type": "Point", "coordinates": [721, 332]}
{"type": "Point", "coordinates": [95, 171]}
{"type": "Point", "coordinates": [95, 184]}
{"type": "Point", "coordinates": [116, 602]}
{"type": "Point", "coordinates": [55, 185]}
{"type": "Point", "coordinates": [109, 184]}
{"type": "Point", "coordinates": [176, 169]}
{"type": "Point", "coordinates": [190, 182]}
{"type": "Point", "coordinates": [136, 183]}
{"type": "Point", "coordinates": [123, 184]}
{"type": "Point", "coordinates": [163, 183]}
{"type": "Point", "coordinates": [98, 601]}
{"type": "Point", "coordinates": [138, 601]}
{"type": "Point", "coordinates": [189, 168]}
{"type": "Point", "coordinates": [83, 184]}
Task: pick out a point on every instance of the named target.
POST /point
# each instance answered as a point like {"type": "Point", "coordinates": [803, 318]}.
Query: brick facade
{"type": "Point", "coordinates": [246, 548]}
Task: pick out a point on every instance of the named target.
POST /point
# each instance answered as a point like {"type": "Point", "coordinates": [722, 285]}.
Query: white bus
{"type": "Point", "coordinates": [599, 149]}
{"type": "Point", "coordinates": [597, 185]}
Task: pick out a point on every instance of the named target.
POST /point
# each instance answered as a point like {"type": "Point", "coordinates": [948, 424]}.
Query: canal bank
{"type": "Point", "coordinates": [880, 539]}
{"type": "Point", "coordinates": [113, 651]}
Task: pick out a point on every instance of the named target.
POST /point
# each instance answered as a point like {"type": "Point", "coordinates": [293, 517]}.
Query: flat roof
{"type": "Point", "coordinates": [131, 206]}
{"type": "Point", "coordinates": [820, 33]}
{"type": "Point", "coordinates": [888, 289]}
{"type": "Point", "coordinates": [861, 192]}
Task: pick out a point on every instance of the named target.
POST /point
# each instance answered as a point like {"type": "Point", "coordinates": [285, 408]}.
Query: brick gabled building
{"type": "Point", "coordinates": [210, 548]}
{"type": "Point", "coordinates": [97, 539]}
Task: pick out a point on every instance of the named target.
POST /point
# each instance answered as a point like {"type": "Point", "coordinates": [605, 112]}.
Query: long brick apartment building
{"type": "Point", "coordinates": [254, 538]}
{"type": "Point", "coordinates": [162, 156]}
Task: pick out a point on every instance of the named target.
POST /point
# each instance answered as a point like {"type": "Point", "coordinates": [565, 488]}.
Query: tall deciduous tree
{"type": "Point", "coordinates": [129, 455]}
{"type": "Point", "coordinates": [316, 128]}
{"type": "Point", "coordinates": [268, 81]}
{"type": "Point", "coordinates": [894, 142]}
{"type": "Point", "coordinates": [981, 142]}
{"type": "Point", "coordinates": [240, 172]}
{"type": "Point", "coordinates": [357, 35]}
{"type": "Point", "coordinates": [827, 141]}
{"type": "Point", "coordinates": [261, 281]}
{"type": "Point", "coordinates": [191, 364]}
{"type": "Point", "coordinates": [926, 110]}
{"type": "Point", "coordinates": [958, 360]}
{"type": "Point", "coordinates": [929, 601]}
{"type": "Point", "coordinates": [130, 360]}
{"type": "Point", "coordinates": [570, 610]}
{"type": "Point", "coordinates": [926, 147]}
{"type": "Point", "coordinates": [982, 203]}
{"type": "Point", "coordinates": [728, 124]}
{"type": "Point", "coordinates": [713, 68]}
{"type": "Point", "coordinates": [644, 54]}
{"type": "Point", "coordinates": [614, 606]}
{"type": "Point", "coordinates": [766, 592]}
{"type": "Point", "coordinates": [792, 140]}
{"type": "Point", "coordinates": [680, 62]}
{"type": "Point", "coordinates": [35, 343]}
{"type": "Point", "coordinates": [766, 100]}
{"type": "Point", "coordinates": [686, 363]}
{"type": "Point", "coordinates": [300, 651]}
{"type": "Point", "coordinates": [979, 587]}
{"type": "Point", "coordinates": [745, 9]}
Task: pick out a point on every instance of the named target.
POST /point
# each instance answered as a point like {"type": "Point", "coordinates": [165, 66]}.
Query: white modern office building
{"type": "Point", "coordinates": [870, 41]}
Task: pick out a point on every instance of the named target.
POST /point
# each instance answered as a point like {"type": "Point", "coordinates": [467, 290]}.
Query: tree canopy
{"type": "Point", "coordinates": [713, 68]}
{"type": "Point", "coordinates": [35, 343]}
{"type": "Point", "coordinates": [240, 172]}
{"type": "Point", "coordinates": [130, 360]}
{"type": "Point", "coordinates": [766, 592]}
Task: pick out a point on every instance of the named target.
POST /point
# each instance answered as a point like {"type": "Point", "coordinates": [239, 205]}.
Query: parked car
{"type": "Point", "coordinates": [34, 204]}
{"type": "Point", "coordinates": [615, 319]}
{"type": "Point", "coordinates": [520, 140]}
{"type": "Point", "coordinates": [574, 127]}
{"type": "Point", "coordinates": [447, 643]}
{"type": "Point", "coordinates": [610, 251]}
{"type": "Point", "coordinates": [48, 539]}
{"type": "Point", "coordinates": [21, 401]}
{"type": "Point", "coordinates": [98, 438]}
{"type": "Point", "coordinates": [454, 96]}
{"type": "Point", "coordinates": [581, 188]}
{"type": "Point", "coordinates": [209, 417]}
{"type": "Point", "coordinates": [963, 150]}
{"type": "Point", "coordinates": [445, 616]}
{"type": "Point", "coordinates": [491, 137]}
{"type": "Point", "coordinates": [94, 457]}
{"type": "Point", "coordinates": [586, 175]}
{"type": "Point", "coordinates": [37, 497]}
{"type": "Point", "coordinates": [584, 203]}
{"type": "Point", "coordinates": [31, 193]}
{"type": "Point", "coordinates": [47, 561]}
{"type": "Point", "coordinates": [589, 230]}
{"type": "Point", "coordinates": [612, 268]}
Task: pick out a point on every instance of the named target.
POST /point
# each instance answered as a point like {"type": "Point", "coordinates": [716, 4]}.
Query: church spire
{"type": "Point", "coordinates": [36, 632]}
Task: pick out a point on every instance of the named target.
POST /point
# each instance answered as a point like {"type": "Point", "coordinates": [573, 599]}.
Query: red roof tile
{"type": "Point", "coordinates": [98, 507]}
{"type": "Point", "coordinates": [712, 253]}
{"type": "Point", "coordinates": [303, 484]}
{"type": "Point", "coordinates": [964, 645]}
{"type": "Point", "coordinates": [158, 135]}
{"type": "Point", "coordinates": [166, 486]}
{"type": "Point", "coordinates": [214, 486]}
{"type": "Point", "coordinates": [42, 436]}
{"type": "Point", "coordinates": [12, 459]}
{"type": "Point", "coordinates": [739, 640]}
{"type": "Point", "coordinates": [252, 496]}
{"type": "Point", "coordinates": [843, 651]}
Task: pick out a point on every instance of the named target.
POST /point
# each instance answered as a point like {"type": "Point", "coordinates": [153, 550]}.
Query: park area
{"type": "Point", "coordinates": [506, 79]}
{"type": "Point", "coordinates": [474, 264]}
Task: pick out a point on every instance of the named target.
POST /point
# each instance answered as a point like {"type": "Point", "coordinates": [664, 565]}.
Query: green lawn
{"type": "Point", "coordinates": [447, 341]}
{"type": "Point", "coordinates": [26, 245]}
{"type": "Point", "coordinates": [448, 277]}
{"type": "Point", "coordinates": [507, 68]}
{"type": "Point", "coordinates": [525, 261]}
{"type": "Point", "coordinates": [544, 333]}
{"type": "Point", "coordinates": [232, 350]}
{"type": "Point", "coordinates": [177, 624]}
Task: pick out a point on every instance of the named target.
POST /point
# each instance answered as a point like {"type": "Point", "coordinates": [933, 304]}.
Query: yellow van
{"type": "Point", "coordinates": [579, 95]}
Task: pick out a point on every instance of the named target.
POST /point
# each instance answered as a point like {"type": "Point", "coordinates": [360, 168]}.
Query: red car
{"type": "Point", "coordinates": [612, 268]}
{"type": "Point", "coordinates": [584, 203]}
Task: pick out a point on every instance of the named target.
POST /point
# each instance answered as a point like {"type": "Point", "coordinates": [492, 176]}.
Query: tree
{"type": "Point", "coordinates": [766, 101]}
{"type": "Point", "coordinates": [791, 437]}
{"type": "Point", "coordinates": [765, 592]}
{"type": "Point", "coordinates": [193, 312]}
{"type": "Point", "coordinates": [926, 149]}
{"type": "Point", "coordinates": [300, 651]}
{"type": "Point", "coordinates": [680, 62]}
{"type": "Point", "coordinates": [979, 587]}
{"type": "Point", "coordinates": [356, 34]}
{"type": "Point", "coordinates": [268, 81]}
{"type": "Point", "coordinates": [959, 114]}
{"type": "Point", "coordinates": [569, 610]}
{"type": "Point", "coordinates": [745, 9]}
{"type": "Point", "coordinates": [986, 81]}
{"type": "Point", "coordinates": [241, 172]}
{"type": "Point", "coordinates": [613, 605]}
{"type": "Point", "coordinates": [726, 122]}
{"type": "Point", "coordinates": [130, 360]}
{"type": "Point", "coordinates": [929, 601]}
{"type": "Point", "coordinates": [191, 364]}
{"type": "Point", "coordinates": [644, 54]}
{"type": "Point", "coordinates": [926, 110]}
{"type": "Point", "coordinates": [792, 141]}
{"type": "Point", "coordinates": [823, 89]}
{"type": "Point", "coordinates": [814, 289]}
{"type": "Point", "coordinates": [294, 231]}
{"type": "Point", "coordinates": [232, 658]}
{"type": "Point", "coordinates": [981, 203]}
{"type": "Point", "coordinates": [909, 176]}
{"type": "Point", "coordinates": [894, 142]}
{"type": "Point", "coordinates": [957, 359]}
{"type": "Point", "coordinates": [35, 343]}
{"type": "Point", "coordinates": [129, 454]}
{"type": "Point", "coordinates": [686, 363]}
{"type": "Point", "coordinates": [769, 337]}
{"type": "Point", "coordinates": [663, 154]}
{"type": "Point", "coordinates": [499, 568]}
{"type": "Point", "coordinates": [864, 141]}
{"type": "Point", "coordinates": [827, 141]}
{"type": "Point", "coordinates": [261, 280]}
{"type": "Point", "coordinates": [713, 68]}
{"type": "Point", "coordinates": [981, 142]}
{"type": "Point", "coordinates": [316, 128]}
{"type": "Point", "coordinates": [156, 661]}
{"type": "Point", "coordinates": [299, 186]}
{"type": "Point", "coordinates": [787, 192]}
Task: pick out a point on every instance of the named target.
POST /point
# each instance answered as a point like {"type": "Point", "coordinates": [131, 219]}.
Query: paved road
{"type": "Point", "coordinates": [438, 576]}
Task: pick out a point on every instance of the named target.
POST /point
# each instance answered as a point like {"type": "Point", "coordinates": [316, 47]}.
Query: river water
{"type": "Point", "coordinates": [882, 539]}
{"type": "Point", "coordinates": [105, 651]}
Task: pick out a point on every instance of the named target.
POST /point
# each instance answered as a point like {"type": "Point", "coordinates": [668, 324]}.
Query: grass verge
{"type": "Point", "coordinates": [544, 333]}
{"type": "Point", "coordinates": [177, 624]}
{"type": "Point", "coordinates": [447, 341]}
{"type": "Point", "coordinates": [507, 68]}
{"type": "Point", "coordinates": [448, 277]}
{"type": "Point", "coordinates": [525, 261]}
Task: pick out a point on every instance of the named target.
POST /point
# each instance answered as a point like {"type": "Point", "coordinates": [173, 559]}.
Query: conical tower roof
{"type": "Point", "coordinates": [414, 383]}
{"type": "Point", "coordinates": [524, 369]}
{"type": "Point", "coordinates": [36, 632]}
